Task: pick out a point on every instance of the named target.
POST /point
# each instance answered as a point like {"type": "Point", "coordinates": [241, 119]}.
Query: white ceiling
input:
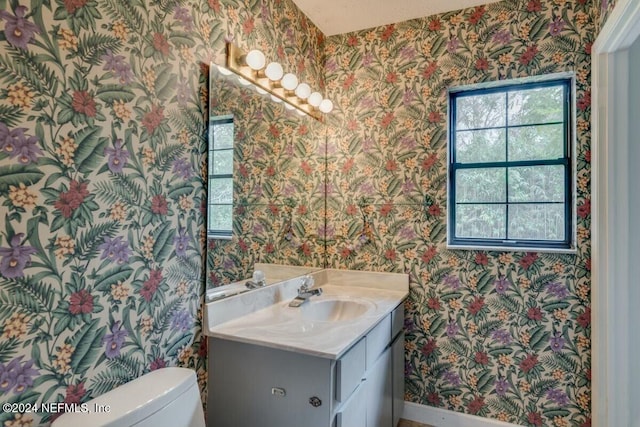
{"type": "Point", "coordinates": [344, 16]}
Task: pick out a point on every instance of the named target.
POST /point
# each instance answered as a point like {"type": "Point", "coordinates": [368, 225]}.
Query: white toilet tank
{"type": "Point", "coordinates": [167, 397]}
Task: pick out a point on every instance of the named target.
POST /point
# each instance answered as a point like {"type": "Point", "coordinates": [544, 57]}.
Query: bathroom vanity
{"type": "Point", "coordinates": [335, 361]}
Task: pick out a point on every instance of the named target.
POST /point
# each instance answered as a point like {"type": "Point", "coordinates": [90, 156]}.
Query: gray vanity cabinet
{"type": "Point", "coordinates": [254, 385]}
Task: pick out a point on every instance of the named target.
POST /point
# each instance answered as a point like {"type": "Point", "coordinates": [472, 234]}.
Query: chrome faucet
{"type": "Point", "coordinates": [305, 292]}
{"type": "Point", "coordinates": [257, 281]}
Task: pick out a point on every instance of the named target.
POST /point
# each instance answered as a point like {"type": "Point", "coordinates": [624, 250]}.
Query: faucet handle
{"type": "Point", "coordinates": [307, 282]}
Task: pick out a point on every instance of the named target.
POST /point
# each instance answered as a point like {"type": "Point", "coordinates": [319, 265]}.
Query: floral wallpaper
{"type": "Point", "coordinates": [102, 142]}
{"type": "Point", "coordinates": [503, 335]}
{"type": "Point", "coordinates": [278, 186]}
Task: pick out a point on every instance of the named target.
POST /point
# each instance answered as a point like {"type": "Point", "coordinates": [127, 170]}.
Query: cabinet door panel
{"type": "Point", "coordinates": [379, 392]}
{"type": "Point", "coordinates": [354, 412]}
{"type": "Point", "coordinates": [397, 350]}
{"type": "Point", "coordinates": [350, 370]}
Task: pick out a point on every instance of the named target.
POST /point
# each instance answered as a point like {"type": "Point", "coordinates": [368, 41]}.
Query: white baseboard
{"type": "Point", "coordinates": [438, 417]}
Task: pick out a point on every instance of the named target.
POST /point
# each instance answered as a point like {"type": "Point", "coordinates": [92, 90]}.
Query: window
{"type": "Point", "coordinates": [220, 209]}
{"type": "Point", "coordinates": [510, 168]}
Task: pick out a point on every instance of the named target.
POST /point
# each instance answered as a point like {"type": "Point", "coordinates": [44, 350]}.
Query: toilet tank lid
{"type": "Point", "coordinates": [134, 401]}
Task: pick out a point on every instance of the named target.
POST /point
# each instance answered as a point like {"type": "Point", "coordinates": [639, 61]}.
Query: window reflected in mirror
{"type": "Point", "coordinates": [220, 209]}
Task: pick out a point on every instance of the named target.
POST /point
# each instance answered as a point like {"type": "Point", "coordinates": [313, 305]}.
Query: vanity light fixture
{"type": "Point", "coordinates": [253, 67]}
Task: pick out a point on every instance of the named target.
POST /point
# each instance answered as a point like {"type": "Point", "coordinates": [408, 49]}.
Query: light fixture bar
{"type": "Point", "coordinates": [237, 62]}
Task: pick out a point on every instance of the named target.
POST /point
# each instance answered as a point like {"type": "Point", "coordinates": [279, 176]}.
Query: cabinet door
{"type": "Point", "coordinates": [353, 412]}
{"type": "Point", "coordinates": [379, 392]}
{"type": "Point", "coordinates": [397, 356]}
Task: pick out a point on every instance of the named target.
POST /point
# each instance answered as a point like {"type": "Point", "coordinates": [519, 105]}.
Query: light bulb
{"type": "Point", "coordinates": [275, 98]}
{"type": "Point", "coordinates": [274, 71]}
{"type": "Point", "coordinates": [255, 60]}
{"type": "Point", "coordinates": [315, 99]}
{"type": "Point", "coordinates": [288, 106]}
{"type": "Point", "coordinates": [326, 106]}
{"type": "Point", "coordinates": [261, 91]}
{"type": "Point", "coordinates": [303, 91]}
{"type": "Point", "coordinates": [289, 81]}
{"type": "Point", "coordinates": [243, 81]}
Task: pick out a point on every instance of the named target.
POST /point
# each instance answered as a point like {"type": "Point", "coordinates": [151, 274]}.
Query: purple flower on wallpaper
{"type": "Point", "coordinates": [258, 229]}
{"type": "Point", "coordinates": [16, 144]}
{"type": "Point", "coordinates": [409, 324]}
{"type": "Point", "coordinates": [265, 13]}
{"type": "Point", "coordinates": [327, 231]}
{"type": "Point", "coordinates": [181, 243]}
{"type": "Point", "coordinates": [502, 336]}
{"type": "Point", "coordinates": [559, 397]}
{"type": "Point", "coordinates": [117, 64]}
{"type": "Point", "coordinates": [408, 142]}
{"type": "Point", "coordinates": [182, 15]}
{"type": "Point", "coordinates": [558, 290]}
{"type": "Point", "coordinates": [24, 376]}
{"type": "Point", "coordinates": [368, 102]}
{"type": "Point", "coordinates": [452, 281]}
{"type": "Point", "coordinates": [258, 153]}
{"type": "Point", "coordinates": [452, 329]}
{"type": "Point", "coordinates": [117, 157]}
{"type": "Point", "coordinates": [408, 97]}
{"type": "Point", "coordinates": [407, 53]}
{"type": "Point", "coordinates": [291, 36]}
{"type": "Point", "coordinates": [407, 232]}
{"type": "Point", "coordinates": [257, 190]}
{"type": "Point", "coordinates": [289, 190]}
{"type": "Point", "coordinates": [502, 386]}
{"type": "Point", "coordinates": [182, 92]}
{"type": "Point", "coordinates": [367, 145]}
{"type": "Point", "coordinates": [181, 320]}
{"type": "Point", "coordinates": [453, 44]}
{"type": "Point", "coordinates": [502, 36]}
{"type": "Point", "coordinates": [502, 285]}
{"type": "Point", "coordinates": [182, 168]}
{"type": "Point", "coordinates": [116, 250]}
{"type": "Point", "coordinates": [452, 378]}
{"type": "Point", "coordinates": [366, 188]}
{"type": "Point", "coordinates": [556, 343]}
{"type": "Point", "coordinates": [331, 65]}
{"type": "Point", "coordinates": [113, 342]}
{"type": "Point", "coordinates": [258, 115]}
{"type": "Point", "coordinates": [15, 258]}
{"type": "Point", "coordinates": [16, 376]}
{"type": "Point", "coordinates": [18, 30]}
{"type": "Point", "coordinates": [556, 26]}
{"type": "Point", "coordinates": [408, 186]}
{"type": "Point", "coordinates": [228, 264]}
{"type": "Point", "coordinates": [367, 59]}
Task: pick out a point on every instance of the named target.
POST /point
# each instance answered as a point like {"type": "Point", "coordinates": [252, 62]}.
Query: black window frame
{"type": "Point", "coordinates": [214, 233]}
{"type": "Point", "coordinates": [566, 161]}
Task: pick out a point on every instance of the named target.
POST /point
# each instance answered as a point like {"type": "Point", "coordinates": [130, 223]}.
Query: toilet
{"type": "Point", "coordinates": [167, 397]}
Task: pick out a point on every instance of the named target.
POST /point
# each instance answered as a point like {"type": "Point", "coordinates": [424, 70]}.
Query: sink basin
{"type": "Point", "coordinates": [333, 310]}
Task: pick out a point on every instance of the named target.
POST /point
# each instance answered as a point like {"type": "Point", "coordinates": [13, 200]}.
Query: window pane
{"type": "Point", "coordinates": [481, 221]}
{"type": "Point", "coordinates": [536, 222]}
{"type": "Point", "coordinates": [536, 184]}
{"type": "Point", "coordinates": [222, 162]}
{"type": "Point", "coordinates": [480, 111]}
{"type": "Point", "coordinates": [220, 217]}
{"type": "Point", "coordinates": [481, 185]}
{"type": "Point", "coordinates": [536, 142]}
{"type": "Point", "coordinates": [222, 135]}
{"type": "Point", "coordinates": [480, 146]}
{"type": "Point", "coordinates": [220, 190]}
{"type": "Point", "coordinates": [541, 105]}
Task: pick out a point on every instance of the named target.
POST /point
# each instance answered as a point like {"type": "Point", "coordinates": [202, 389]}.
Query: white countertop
{"type": "Point", "coordinates": [263, 317]}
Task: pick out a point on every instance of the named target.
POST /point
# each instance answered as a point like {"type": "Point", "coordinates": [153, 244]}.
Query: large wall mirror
{"type": "Point", "coordinates": [266, 178]}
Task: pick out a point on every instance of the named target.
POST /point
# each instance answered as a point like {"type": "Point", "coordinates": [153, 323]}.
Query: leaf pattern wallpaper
{"type": "Point", "coordinates": [103, 112]}
{"type": "Point", "coordinates": [102, 157]}
{"type": "Point", "coordinates": [504, 335]}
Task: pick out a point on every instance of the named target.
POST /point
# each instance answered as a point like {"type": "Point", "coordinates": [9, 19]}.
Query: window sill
{"type": "Point", "coordinates": [218, 237]}
{"type": "Point", "coordinates": [570, 251]}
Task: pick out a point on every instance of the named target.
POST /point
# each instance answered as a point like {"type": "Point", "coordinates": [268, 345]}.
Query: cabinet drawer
{"type": "Point", "coordinates": [350, 370]}
{"type": "Point", "coordinates": [397, 320]}
{"type": "Point", "coordinates": [377, 340]}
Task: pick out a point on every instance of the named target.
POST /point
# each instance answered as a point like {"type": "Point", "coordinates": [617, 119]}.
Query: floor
{"type": "Point", "coordinates": [405, 423]}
